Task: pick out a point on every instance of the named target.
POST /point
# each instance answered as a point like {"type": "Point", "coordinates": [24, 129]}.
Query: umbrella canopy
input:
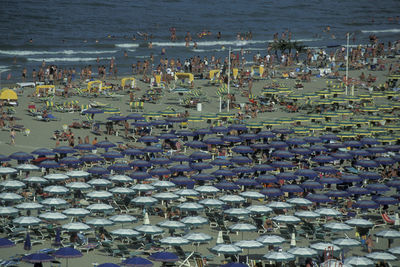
{"type": "Point", "coordinates": [286, 219]}
{"type": "Point", "coordinates": [358, 261]}
{"type": "Point", "coordinates": [37, 257]}
{"type": "Point", "coordinates": [271, 239]}
{"type": "Point", "coordinates": [346, 242]}
{"type": "Point", "coordinates": [198, 237]}
{"type": "Point", "coordinates": [381, 256]}
{"type": "Point", "coordinates": [242, 227]}
{"type": "Point", "coordinates": [279, 256]}
{"type": "Point", "coordinates": [149, 229]}
{"type": "Point", "coordinates": [76, 227]}
{"type": "Point", "coordinates": [172, 224]}
{"type": "Point", "coordinates": [194, 220]}
{"type": "Point", "coordinates": [53, 216]}
{"type": "Point", "coordinates": [303, 252]}
{"type": "Point", "coordinates": [97, 222]}
{"type": "Point", "coordinates": [249, 244]}
{"type": "Point", "coordinates": [226, 249]}
{"type": "Point", "coordinates": [27, 221]}
{"type": "Point", "coordinates": [322, 246]}
{"type": "Point", "coordinates": [391, 234]}
{"type": "Point", "coordinates": [6, 243]}
{"type": "Point", "coordinates": [67, 252]}
{"type": "Point", "coordinates": [79, 212]}
{"type": "Point", "coordinates": [174, 241]}
{"type": "Point", "coordinates": [125, 232]}
{"type": "Point", "coordinates": [136, 262]}
{"type": "Point", "coordinates": [164, 257]}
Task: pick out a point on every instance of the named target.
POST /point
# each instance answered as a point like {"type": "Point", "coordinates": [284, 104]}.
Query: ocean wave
{"type": "Point", "coordinates": [381, 31]}
{"type": "Point", "coordinates": [127, 45]}
{"type": "Point", "coordinates": [67, 59]}
{"type": "Point", "coordinates": [61, 52]}
{"type": "Point", "coordinates": [3, 68]}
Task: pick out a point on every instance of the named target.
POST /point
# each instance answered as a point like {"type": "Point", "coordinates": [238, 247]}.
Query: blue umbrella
{"type": "Point", "coordinates": [152, 149]}
{"type": "Point", "coordinates": [312, 139]}
{"type": "Point", "coordinates": [37, 257]}
{"type": "Point", "coordinates": [329, 137]}
{"type": "Point", "coordinates": [27, 242]}
{"type": "Point", "coordinates": [132, 152]}
{"type": "Point", "coordinates": [90, 158]}
{"type": "Point", "coordinates": [237, 127]}
{"type": "Point", "coordinates": [70, 161]}
{"type": "Point", "coordinates": [67, 253]}
{"type": "Point", "coordinates": [243, 169]}
{"type": "Point", "coordinates": [266, 134]}
{"type": "Point", "coordinates": [286, 176]}
{"type": "Point", "coordinates": [282, 164]}
{"type": "Point", "coordinates": [382, 200]}
{"type": "Point", "coordinates": [318, 148]}
{"type": "Point", "coordinates": [183, 181]}
{"type": "Point", "coordinates": [330, 180]}
{"type": "Point", "coordinates": [377, 187]}
{"type": "Point", "coordinates": [6, 243]}
{"type": "Point", "coordinates": [296, 141]}
{"type": "Point", "coordinates": [112, 155]}
{"type": "Point", "coordinates": [160, 122]}
{"type": "Point", "coordinates": [366, 204]}
{"type": "Point", "coordinates": [278, 144]}
{"type": "Point", "coordinates": [226, 185]}
{"type": "Point", "coordinates": [301, 151]}
{"type": "Point", "coordinates": [108, 265]}
{"type": "Point", "coordinates": [282, 131]}
{"type": "Point", "coordinates": [185, 133]}
{"type": "Point", "coordinates": [135, 116]}
{"type": "Point", "coordinates": [180, 157]}
{"type": "Point", "coordinates": [159, 172]}
{"type": "Point", "coordinates": [311, 185]}
{"type": "Point", "coordinates": [337, 193]}
{"type": "Point", "coordinates": [93, 111]}
{"type": "Point", "coordinates": [200, 155]}
{"type": "Point", "coordinates": [176, 119]}
{"type": "Point", "coordinates": [352, 143]}
{"type": "Point", "coordinates": [214, 141]}
{"type": "Point", "coordinates": [319, 198]}
{"type": "Point", "coordinates": [342, 155]}
{"type": "Point", "coordinates": [64, 150]}
{"type": "Point", "coordinates": [266, 179]}
{"type": "Point", "coordinates": [164, 257]}
{"type": "Point", "coordinates": [370, 175]}
{"type": "Point", "coordinates": [160, 161]}
{"type": "Point", "coordinates": [263, 168]}
{"type": "Point", "coordinates": [306, 173]}
{"type": "Point", "coordinates": [117, 118]}
{"type": "Point", "coordinates": [180, 168]}
{"type": "Point", "coordinates": [43, 152]}
{"type": "Point", "coordinates": [292, 188]}
{"type": "Point", "coordinates": [369, 141]}
{"type": "Point", "coordinates": [249, 136]}
{"type": "Point", "coordinates": [246, 182]}
{"type": "Point", "coordinates": [359, 152]}
{"type": "Point", "coordinates": [219, 129]}
{"type": "Point", "coordinates": [49, 164]}
{"type": "Point", "coordinates": [351, 178]}
{"type": "Point", "coordinates": [241, 159]}
{"type": "Point", "coordinates": [323, 159]}
{"type": "Point", "coordinates": [284, 154]}
{"type": "Point", "coordinates": [232, 138]}
{"type": "Point", "coordinates": [98, 170]}
{"type": "Point", "coordinates": [148, 139]}
{"type": "Point", "coordinates": [271, 192]}
{"type": "Point", "coordinates": [88, 147]}
{"type": "Point", "coordinates": [221, 162]}
{"type": "Point", "coordinates": [200, 166]}
{"type": "Point", "coordinates": [234, 264]}
{"type": "Point", "coordinates": [376, 150]}
{"type": "Point", "coordinates": [393, 148]}
{"type": "Point", "coordinates": [22, 156]}
{"type": "Point", "coordinates": [394, 183]}
{"type": "Point", "coordinates": [358, 190]}
{"type": "Point", "coordinates": [242, 149]}
{"type": "Point", "coordinates": [223, 172]}
{"type": "Point", "coordinates": [203, 131]}
{"type": "Point", "coordinates": [334, 146]}
{"type": "Point", "coordinates": [140, 163]}
{"type": "Point", "coordinates": [119, 167]}
{"type": "Point", "coordinates": [385, 161]}
{"type": "Point", "coordinates": [141, 123]}
{"type": "Point", "coordinates": [326, 169]}
{"type": "Point", "coordinates": [366, 163]}
{"type": "Point", "coordinates": [137, 262]}
{"type": "Point", "coordinates": [140, 175]}
{"type": "Point", "coordinates": [4, 158]}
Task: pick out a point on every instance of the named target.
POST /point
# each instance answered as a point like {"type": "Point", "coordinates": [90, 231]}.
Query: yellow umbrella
{"type": "Point", "coordinates": [316, 127]}
{"type": "Point", "coordinates": [331, 125]}
{"type": "Point", "coordinates": [8, 94]}
{"type": "Point", "coordinates": [365, 97]}
{"type": "Point", "coordinates": [195, 119]}
{"type": "Point", "coordinates": [311, 95]}
{"type": "Point", "coordinates": [346, 124]}
{"type": "Point", "coordinates": [389, 117]}
{"type": "Point", "coordinates": [152, 114]}
{"type": "Point", "coordinates": [385, 107]}
{"type": "Point", "coordinates": [344, 112]}
{"type": "Point", "coordinates": [209, 116]}
{"type": "Point", "coordinates": [387, 139]}
{"type": "Point", "coordinates": [270, 91]}
{"type": "Point", "coordinates": [360, 121]}
{"type": "Point", "coordinates": [316, 117]}
{"type": "Point", "coordinates": [391, 93]}
{"type": "Point", "coordinates": [370, 109]}
{"type": "Point", "coordinates": [225, 115]}
{"type": "Point", "coordinates": [392, 127]}
{"type": "Point", "coordinates": [378, 94]}
{"type": "Point", "coordinates": [301, 130]}
{"type": "Point", "coordinates": [302, 119]}
{"type": "Point", "coordinates": [338, 100]}
{"type": "Point", "coordinates": [346, 135]}
{"type": "Point", "coordinates": [284, 120]}
{"type": "Point", "coordinates": [296, 96]}
{"type": "Point", "coordinates": [255, 125]}
{"type": "Point", "coordinates": [374, 118]}
{"type": "Point", "coordinates": [363, 132]}
{"type": "Point", "coordinates": [270, 123]}
{"type": "Point", "coordinates": [376, 130]}
{"type": "Point", "coordinates": [330, 114]}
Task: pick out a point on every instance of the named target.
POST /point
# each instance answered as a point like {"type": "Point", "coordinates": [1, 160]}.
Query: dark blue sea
{"type": "Point", "coordinates": [76, 33]}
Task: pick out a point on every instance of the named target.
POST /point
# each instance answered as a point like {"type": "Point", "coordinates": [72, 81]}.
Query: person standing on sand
{"type": "Point", "coordinates": [12, 135]}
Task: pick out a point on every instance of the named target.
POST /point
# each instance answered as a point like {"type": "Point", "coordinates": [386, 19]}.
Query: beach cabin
{"type": "Point", "coordinates": [94, 87]}
{"type": "Point", "coordinates": [45, 90]}
{"type": "Point", "coordinates": [128, 81]}
{"type": "Point", "coordinates": [184, 79]}
{"type": "Point", "coordinates": [257, 71]}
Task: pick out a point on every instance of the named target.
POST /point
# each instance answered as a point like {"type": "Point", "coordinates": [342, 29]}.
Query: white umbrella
{"type": "Point", "coordinates": [358, 261]}
{"type": "Point", "coordinates": [271, 239]}
{"type": "Point", "coordinates": [307, 214]}
{"type": "Point", "coordinates": [12, 184]}
{"type": "Point", "coordinates": [53, 216]}
{"type": "Point", "coordinates": [121, 178]}
{"type": "Point", "coordinates": [125, 232]}
{"type": "Point", "coordinates": [122, 191]}
{"type": "Point", "coordinates": [144, 200]}
{"type": "Point", "coordinates": [98, 222]}
{"type": "Point", "coordinates": [242, 227]}
{"type": "Point", "coordinates": [279, 205]}
{"type": "Point", "coordinates": [8, 211]}
{"type": "Point", "coordinates": [78, 174]}
{"type": "Point", "coordinates": [381, 256]}
{"type": "Point", "coordinates": [76, 227]}
{"type": "Point", "coordinates": [360, 223]}
{"type": "Point", "coordinates": [171, 224]}
{"type": "Point", "coordinates": [78, 186]}
{"type": "Point", "coordinates": [232, 199]}
{"type": "Point", "coordinates": [259, 209]}
{"type": "Point", "coordinates": [187, 192]}
{"type": "Point", "coordinates": [346, 242]}
{"type": "Point", "coordinates": [321, 246]}
{"type": "Point", "coordinates": [78, 212]}
{"type": "Point", "coordinates": [328, 212]}
{"type": "Point", "coordinates": [149, 229]}
{"type": "Point", "coordinates": [249, 244]}
{"type": "Point", "coordinates": [56, 189]}
{"type": "Point", "coordinates": [174, 241]}
{"type": "Point", "coordinates": [207, 189]}
{"type": "Point", "coordinates": [237, 212]}
{"type": "Point", "coordinates": [99, 182]}
{"type": "Point", "coordinates": [395, 250]}
{"type": "Point", "coordinates": [123, 218]}
{"type": "Point", "coordinates": [29, 206]}
{"type": "Point", "coordinates": [280, 256]}
{"type": "Point", "coordinates": [299, 201]}
{"type": "Point", "coordinates": [166, 196]}
{"type": "Point", "coordinates": [333, 262]}
{"type": "Point", "coordinates": [10, 197]}
{"type": "Point", "coordinates": [163, 184]}
{"type": "Point", "coordinates": [198, 237]}
{"type": "Point", "coordinates": [142, 187]}
{"type": "Point", "coordinates": [100, 207]}
{"type": "Point", "coordinates": [27, 221]}
{"type": "Point", "coordinates": [303, 252]}
{"type": "Point", "coordinates": [35, 180]}
{"type": "Point", "coordinates": [194, 220]}
{"type": "Point", "coordinates": [27, 167]}
{"type": "Point", "coordinates": [53, 201]}
{"type": "Point", "coordinates": [226, 249]}
{"type": "Point", "coordinates": [391, 234]}
{"type": "Point", "coordinates": [337, 226]}
{"type": "Point", "coordinates": [99, 195]}
{"type": "Point", "coordinates": [7, 170]}
{"type": "Point", "coordinates": [191, 206]}
{"type": "Point", "coordinates": [56, 177]}
{"type": "Point", "coordinates": [286, 219]}
{"type": "Point", "coordinates": [210, 202]}
{"type": "Point", "coordinates": [252, 194]}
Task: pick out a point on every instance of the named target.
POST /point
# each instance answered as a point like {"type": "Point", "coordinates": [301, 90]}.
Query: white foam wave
{"type": "Point", "coordinates": [67, 59]}
{"type": "Point", "coordinates": [127, 45]}
{"type": "Point", "coordinates": [381, 31]}
{"type": "Point", "coordinates": [61, 52]}
{"type": "Point", "coordinates": [131, 50]}
{"type": "Point", "coordinates": [3, 68]}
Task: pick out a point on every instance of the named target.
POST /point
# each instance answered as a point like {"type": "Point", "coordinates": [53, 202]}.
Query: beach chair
{"type": "Point", "coordinates": [49, 105]}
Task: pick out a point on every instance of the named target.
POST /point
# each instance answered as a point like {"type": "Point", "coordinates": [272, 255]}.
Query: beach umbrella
{"type": "Point", "coordinates": [328, 212]}
{"type": "Point", "coordinates": [242, 149]}
{"type": "Point", "coordinates": [99, 195]}
{"type": "Point", "coordinates": [263, 168]}
{"type": "Point", "coordinates": [49, 164]}
{"type": "Point", "coordinates": [171, 224]}
{"type": "Point", "coordinates": [149, 229]}
{"type": "Point", "coordinates": [10, 196]}
{"type": "Point", "coordinates": [37, 257]}
{"type": "Point", "coordinates": [346, 242]}
{"type": "Point", "coordinates": [307, 214]}
{"type": "Point", "coordinates": [359, 223]}
{"type": "Point", "coordinates": [100, 207]}
{"type": "Point", "coordinates": [123, 218]}
{"type": "Point", "coordinates": [358, 261]}
{"type": "Point", "coordinates": [354, 190]}
{"type": "Point", "coordinates": [132, 152]}
{"type": "Point", "coordinates": [381, 256]}
{"type": "Point", "coordinates": [52, 216]}
{"type": "Point", "coordinates": [139, 175]}
{"type": "Point", "coordinates": [67, 253]}
{"type": "Point", "coordinates": [164, 257]}
{"type": "Point", "coordinates": [64, 150]}
{"type": "Point", "coordinates": [122, 191]}
{"type": "Point", "coordinates": [377, 187]}
{"type": "Point", "coordinates": [145, 201]}
{"type": "Point", "coordinates": [318, 198]}
{"type": "Point", "coordinates": [231, 138]}
{"type": "Point", "coordinates": [56, 177]}
{"type": "Point", "coordinates": [326, 169]}
{"type": "Point", "coordinates": [78, 212]}
{"type": "Point", "coordinates": [56, 189]}
{"type": "Point", "coordinates": [27, 221]}
{"type": "Point", "coordinates": [198, 237]}
{"type": "Point", "coordinates": [199, 155]}
{"type": "Point", "coordinates": [282, 164]}
{"type": "Point", "coordinates": [395, 250]}
{"type": "Point", "coordinates": [301, 151]}
{"type": "Point", "coordinates": [8, 211]}
{"type": "Point", "coordinates": [243, 169]}
{"type": "Point", "coordinates": [249, 244]}
{"type": "Point", "coordinates": [97, 170]}
{"type": "Point", "coordinates": [12, 184]}
{"type": "Point", "coordinates": [180, 158]}
{"type": "Point", "coordinates": [35, 180]}
{"type": "Point", "coordinates": [286, 219]}
{"type": "Point", "coordinates": [350, 178]}
{"type": "Point", "coordinates": [77, 174]}
{"type": "Point", "coordinates": [241, 160]}
{"type": "Point", "coordinates": [280, 256]}
{"type": "Point", "coordinates": [251, 194]}
{"type": "Point", "coordinates": [232, 199]}
{"type": "Point", "coordinates": [29, 206]}
{"type": "Point", "coordinates": [214, 141]}
{"type": "Point", "coordinates": [190, 206]}
{"type": "Point", "coordinates": [390, 234]}
{"type": "Point", "coordinates": [159, 161]}
{"type": "Point", "coordinates": [187, 192]}
{"type": "Point", "coordinates": [136, 262]}
{"type": "Point", "coordinates": [299, 201]}
{"type": "Point", "coordinates": [76, 227]}
{"type": "Point", "coordinates": [370, 175]}
{"type": "Point", "coordinates": [306, 173]}
{"type": "Point", "coordinates": [6, 243]}
{"type": "Point", "coordinates": [27, 242]}
{"type": "Point", "coordinates": [7, 170]}
{"type": "Point", "coordinates": [21, 156]}
{"type": "Point", "coordinates": [99, 222]}
{"type": "Point", "coordinates": [259, 209]}
{"type": "Point", "coordinates": [143, 187]}
{"type": "Point", "coordinates": [322, 246]}
{"type": "Point", "coordinates": [271, 239]}
{"type": "Point", "coordinates": [180, 168]}
{"type": "Point", "coordinates": [207, 189]}
{"type": "Point", "coordinates": [226, 249]}
{"type": "Point", "coordinates": [159, 172]}
{"type": "Point", "coordinates": [223, 172]}
{"type": "Point", "coordinates": [210, 202]}
{"type": "Point", "coordinates": [166, 196]}
{"type": "Point", "coordinates": [99, 182]}
{"type": "Point", "coordinates": [303, 252]}
{"type": "Point", "coordinates": [292, 188]}
{"type": "Point", "coordinates": [237, 212]}
{"type": "Point", "coordinates": [200, 166]}
{"type": "Point", "coordinates": [174, 241]}
{"type": "Point", "coordinates": [194, 220]}
{"type": "Point", "coordinates": [112, 155]}
{"type": "Point", "coordinates": [163, 184]}
{"type": "Point", "coordinates": [78, 186]}
{"type": "Point", "coordinates": [271, 192]}
{"type": "Point", "coordinates": [366, 204]}
{"type": "Point", "coordinates": [279, 205]}
{"type": "Point", "coordinates": [382, 200]}
{"type": "Point", "coordinates": [266, 179]}
{"type": "Point", "coordinates": [125, 232]}
{"type": "Point", "coordinates": [119, 167]}
{"type": "Point", "coordinates": [226, 185]}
